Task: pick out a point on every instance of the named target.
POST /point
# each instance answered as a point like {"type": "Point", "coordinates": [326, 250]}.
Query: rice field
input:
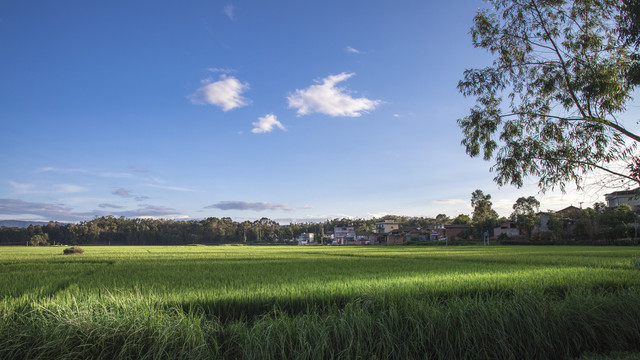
{"type": "Point", "coordinates": [319, 302]}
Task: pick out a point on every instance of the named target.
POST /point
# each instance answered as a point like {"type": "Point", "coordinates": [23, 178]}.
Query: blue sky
{"type": "Point", "coordinates": [292, 110]}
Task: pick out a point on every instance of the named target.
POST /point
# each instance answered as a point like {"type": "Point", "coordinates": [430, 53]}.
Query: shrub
{"type": "Point", "coordinates": [73, 250]}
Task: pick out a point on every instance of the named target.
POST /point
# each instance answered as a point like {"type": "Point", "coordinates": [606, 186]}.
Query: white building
{"type": "Point", "coordinates": [305, 238]}
{"type": "Point", "coordinates": [630, 197]}
{"type": "Point", "coordinates": [342, 234]}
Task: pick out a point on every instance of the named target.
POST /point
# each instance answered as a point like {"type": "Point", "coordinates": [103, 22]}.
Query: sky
{"type": "Point", "coordinates": [292, 110]}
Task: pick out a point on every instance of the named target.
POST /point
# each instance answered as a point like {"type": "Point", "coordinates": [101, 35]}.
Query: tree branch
{"type": "Point", "coordinates": [604, 122]}
{"type": "Point", "coordinates": [562, 62]}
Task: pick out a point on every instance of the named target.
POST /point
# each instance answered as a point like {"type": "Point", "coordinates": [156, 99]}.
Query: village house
{"type": "Point", "coordinates": [305, 239]}
{"type": "Point", "coordinates": [449, 231]}
{"type": "Point", "coordinates": [406, 234]}
{"type": "Point", "coordinates": [371, 238]}
{"type": "Point", "coordinates": [629, 197]}
{"type": "Point", "coordinates": [343, 234]}
{"type": "Point", "coordinates": [386, 226]}
{"type": "Point", "coordinates": [508, 228]}
{"type": "Point", "coordinates": [569, 213]}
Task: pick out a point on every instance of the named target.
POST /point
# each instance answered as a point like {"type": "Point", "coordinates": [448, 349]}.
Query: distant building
{"type": "Point", "coordinates": [454, 230]}
{"type": "Point", "coordinates": [305, 239]}
{"type": "Point", "coordinates": [569, 214]}
{"type": "Point", "coordinates": [629, 197]}
{"type": "Point", "coordinates": [343, 234]}
{"type": "Point", "coordinates": [508, 228]}
{"type": "Point", "coordinates": [371, 238]}
{"type": "Point", "coordinates": [449, 231]}
{"type": "Point", "coordinates": [387, 226]}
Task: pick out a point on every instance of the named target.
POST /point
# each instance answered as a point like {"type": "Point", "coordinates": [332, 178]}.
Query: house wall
{"type": "Point", "coordinates": [451, 231]}
{"type": "Point", "coordinates": [342, 234]}
{"type": "Point", "coordinates": [305, 238]}
{"type": "Point", "coordinates": [386, 227]}
{"type": "Point", "coordinates": [616, 200]}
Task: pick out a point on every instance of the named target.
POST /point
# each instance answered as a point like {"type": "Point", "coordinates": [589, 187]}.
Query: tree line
{"type": "Point", "coordinates": [110, 230]}
{"type": "Point", "coordinates": [597, 224]}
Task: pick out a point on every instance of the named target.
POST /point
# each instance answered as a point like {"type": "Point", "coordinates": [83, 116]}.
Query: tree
{"type": "Point", "coordinates": [629, 27]}
{"type": "Point", "coordinates": [565, 70]}
{"type": "Point", "coordinates": [442, 219]}
{"type": "Point", "coordinates": [484, 217]}
{"type": "Point", "coordinates": [524, 214]}
{"type": "Point", "coordinates": [556, 224]}
{"type": "Point", "coordinates": [39, 239]}
{"type": "Point", "coordinates": [462, 219]}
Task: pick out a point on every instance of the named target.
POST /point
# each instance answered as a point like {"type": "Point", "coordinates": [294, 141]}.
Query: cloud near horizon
{"type": "Point", "coordinates": [56, 212]}
{"type": "Point", "coordinates": [225, 93]}
{"type": "Point", "coordinates": [245, 205]}
{"type": "Point", "coordinates": [326, 98]}
{"type": "Point", "coordinates": [266, 124]}
{"type": "Point", "coordinates": [109, 206]}
{"type": "Point", "coordinates": [22, 188]}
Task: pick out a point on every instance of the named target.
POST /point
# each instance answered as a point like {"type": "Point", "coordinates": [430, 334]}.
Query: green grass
{"type": "Point", "coordinates": [319, 302]}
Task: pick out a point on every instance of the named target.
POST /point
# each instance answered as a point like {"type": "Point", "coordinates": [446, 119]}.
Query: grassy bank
{"type": "Point", "coordinates": [246, 302]}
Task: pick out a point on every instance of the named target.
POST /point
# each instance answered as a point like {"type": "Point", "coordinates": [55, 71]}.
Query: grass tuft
{"type": "Point", "coordinates": [73, 250]}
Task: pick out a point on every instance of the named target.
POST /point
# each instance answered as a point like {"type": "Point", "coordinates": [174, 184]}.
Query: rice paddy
{"type": "Point", "coordinates": [319, 302]}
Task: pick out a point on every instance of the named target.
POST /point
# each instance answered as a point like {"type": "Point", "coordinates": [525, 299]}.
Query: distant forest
{"type": "Point", "coordinates": [124, 231]}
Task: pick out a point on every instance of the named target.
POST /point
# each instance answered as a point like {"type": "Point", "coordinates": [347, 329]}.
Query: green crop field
{"type": "Point", "coordinates": [319, 302]}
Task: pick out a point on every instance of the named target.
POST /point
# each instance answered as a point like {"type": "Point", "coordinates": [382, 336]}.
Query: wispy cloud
{"type": "Point", "coordinates": [349, 49]}
{"type": "Point", "coordinates": [68, 188]}
{"type": "Point", "coordinates": [245, 205]}
{"type": "Point", "coordinates": [148, 211]}
{"type": "Point", "coordinates": [123, 192]}
{"type": "Point", "coordinates": [266, 124]}
{"type": "Point", "coordinates": [110, 206]}
{"type": "Point", "coordinates": [326, 98]}
{"type": "Point", "coordinates": [138, 170]}
{"type": "Point", "coordinates": [229, 11]}
{"type": "Point", "coordinates": [174, 188]}
{"type": "Point", "coordinates": [42, 210]}
{"type": "Point", "coordinates": [23, 188]}
{"type": "Point", "coordinates": [15, 207]}
{"type": "Point", "coordinates": [92, 172]}
{"type": "Point", "coordinates": [128, 194]}
{"type": "Point", "coordinates": [221, 70]}
{"type": "Point", "coordinates": [225, 93]}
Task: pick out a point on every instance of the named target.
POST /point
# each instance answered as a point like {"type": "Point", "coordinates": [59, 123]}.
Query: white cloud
{"type": "Point", "coordinates": [349, 49]}
{"type": "Point", "coordinates": [228, 10]}
{"type": "Point", "coordinates": [67, 188]}
{"type": "Point", "coordinates": [91, 172]}
{"type": "Point", "coordinates": [221, 70]}
{"type": "Point", "coordinates": [246, 205]}
{"type": "Point", "coordinates": [326, 98]}
{"type": "Point", "coordinates": [174, 188]}
{"type": "Point", "coordinates": [265, 124]}
{"type": "Point", "coordinates": [225, 93]}
{"type": "Point", "coordinates": [21, 188]}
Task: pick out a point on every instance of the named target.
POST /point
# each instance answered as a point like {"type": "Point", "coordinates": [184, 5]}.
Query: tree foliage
{"type": "Point", "coordinates": [564, 70]}
{"type": "Point", "coordinates": [482, 207]}
{"type": "Point", "coordinates": [484, 218]}
{"type": "Point", "coordinates": [524, 214]}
